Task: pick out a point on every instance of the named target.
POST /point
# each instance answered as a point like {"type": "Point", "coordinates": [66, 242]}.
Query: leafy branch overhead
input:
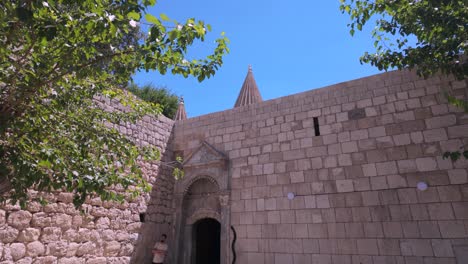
{"type": "Point", "coordinates": [57, 58]}
{"type": "Point", "coordinates": [429, 35]}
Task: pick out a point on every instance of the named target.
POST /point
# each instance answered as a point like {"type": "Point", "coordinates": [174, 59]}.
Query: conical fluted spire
{"type": "Point", "coordinates": [249, 93]}
{"type": "Point", "coordinates": [180, 114]}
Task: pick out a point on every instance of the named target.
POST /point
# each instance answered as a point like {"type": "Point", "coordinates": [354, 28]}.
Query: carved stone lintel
{"type": "Point", "coordinates": [205, 155]}
{"type": "Point", "coordinates": [224, 200]}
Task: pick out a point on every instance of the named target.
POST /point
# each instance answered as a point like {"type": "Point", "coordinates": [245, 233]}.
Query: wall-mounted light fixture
{"type": "Point", "coordinates": [422, 186]}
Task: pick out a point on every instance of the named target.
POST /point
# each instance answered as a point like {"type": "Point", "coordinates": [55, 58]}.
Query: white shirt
{"type": "Point", "coordinates": [158, 257]}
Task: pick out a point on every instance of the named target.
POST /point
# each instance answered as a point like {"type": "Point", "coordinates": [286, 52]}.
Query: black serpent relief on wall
{"type": "Point", "coordinates": [233, 245]}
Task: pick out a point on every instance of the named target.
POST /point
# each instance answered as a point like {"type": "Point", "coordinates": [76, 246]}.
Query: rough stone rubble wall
{"type": "Point", "coordinates": [355, 185]}
{"type": "Point", "coordinates": [108, 232]}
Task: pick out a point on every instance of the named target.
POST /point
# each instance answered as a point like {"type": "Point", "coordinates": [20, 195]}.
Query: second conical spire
{"type": "Point", "coordinates": [180, 114]}
{"type": "Point", "coordinates": [249, 93]}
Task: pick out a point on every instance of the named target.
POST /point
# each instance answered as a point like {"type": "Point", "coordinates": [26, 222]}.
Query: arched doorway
{"type": "Point", "coordinates": [207, 241]}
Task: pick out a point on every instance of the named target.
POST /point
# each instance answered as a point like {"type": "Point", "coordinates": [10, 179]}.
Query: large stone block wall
{"type": "Point", "coordinates": [107, 232]}
{"type": "Point", "coordinates": [355, 191]}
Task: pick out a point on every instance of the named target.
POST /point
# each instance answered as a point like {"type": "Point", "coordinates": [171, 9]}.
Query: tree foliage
{"type": "Point", "coordinates": [429, 35]}
{"type": "Point", "coordinates": [56, 58]}
{"type": "Point", "coordinates": [157, 95]}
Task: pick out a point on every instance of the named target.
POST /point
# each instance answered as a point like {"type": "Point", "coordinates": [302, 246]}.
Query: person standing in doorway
{"type": "Point", "coordinates": [160, 250]}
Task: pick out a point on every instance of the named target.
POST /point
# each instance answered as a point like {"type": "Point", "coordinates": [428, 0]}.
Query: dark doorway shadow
{"type": "Point", "coordinates": [207, 234]}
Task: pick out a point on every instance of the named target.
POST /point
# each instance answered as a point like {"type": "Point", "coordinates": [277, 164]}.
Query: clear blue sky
{"type": "Point", "coordinates": [293, 46]}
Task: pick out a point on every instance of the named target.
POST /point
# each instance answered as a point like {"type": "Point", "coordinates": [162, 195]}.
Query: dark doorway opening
{"type": "Point", "coordinates": [207, 241]}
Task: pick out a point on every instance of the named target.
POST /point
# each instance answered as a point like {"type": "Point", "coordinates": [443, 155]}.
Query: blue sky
{"type": "Point", "coordinates": [293, 46]}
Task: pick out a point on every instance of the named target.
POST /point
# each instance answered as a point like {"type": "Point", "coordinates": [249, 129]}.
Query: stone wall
{"type": "Point", "coordinates": [355, 196]}
{"type": "Point", "coordinates": [108, 232]}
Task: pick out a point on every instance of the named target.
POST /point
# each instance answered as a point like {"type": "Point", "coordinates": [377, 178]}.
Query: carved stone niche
{"type": "Point", "coordinates": [203, 193]}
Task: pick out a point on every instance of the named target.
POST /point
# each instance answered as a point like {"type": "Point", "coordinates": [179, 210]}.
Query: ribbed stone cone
{"type": "Point", "coordinates": [249, 93]}
{"type": "Point", "coordinates": [180, 114]}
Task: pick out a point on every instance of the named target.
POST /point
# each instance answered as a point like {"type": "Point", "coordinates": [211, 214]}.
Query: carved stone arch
{"type": "Point", "coordinates": [203, 213]}
{"type": "Point", "coordinates": [200, 177]}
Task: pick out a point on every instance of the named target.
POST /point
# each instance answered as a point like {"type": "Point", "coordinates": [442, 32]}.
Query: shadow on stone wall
{"type": "Point", "coordinates": [158, 216]}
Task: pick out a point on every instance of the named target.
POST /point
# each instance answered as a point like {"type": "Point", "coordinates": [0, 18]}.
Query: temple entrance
{"type": "Point", "coordinates": [207, 244]}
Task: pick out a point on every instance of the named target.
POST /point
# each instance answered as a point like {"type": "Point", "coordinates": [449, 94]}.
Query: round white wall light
{"type": "Point", "coordinates": [290, 196]}
{"type": "Point", "coordinates": [422, 186]}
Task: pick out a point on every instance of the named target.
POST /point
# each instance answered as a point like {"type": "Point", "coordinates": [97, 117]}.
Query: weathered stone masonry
{"type": "Point", "coordinates": [352, 189]}
{"type": "Point", "coordinates": [354, 185]}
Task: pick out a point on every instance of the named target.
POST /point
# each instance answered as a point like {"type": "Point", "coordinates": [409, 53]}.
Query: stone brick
{"type": "Point", "coordinates": [344, 215]}
{"type": "Point", "coordinates": [310, 246]}
{"type": "Point", "coordinates": [428, 229]}
{"type": "Point", "coordinates": [344, 185]}
{"type": "Point", "coordinates": [303, 216]}
{"type": "Point", "coordinates": [284, 231]}
{"type": "Point", "coordinates": [19, 219]}
{"type": "Point", "coordinates": [458, 176]}
{"type": "Point", "coordinates": [273, 217]}
{"type": "Point", "coordinates": [377, 155]}
{"type": "Point", "coordinates": [426, 164]}
{"type": "Point", "coordinates": [396, 181]}
{"type": "Point", "coordinates": [452, 229]}
{"type": "Point", "coordinates": [401, 139]}
{"type": "Point", "coordinates": [373, 230]}
{"type": "Point", "coordinates": [430, 195]}
{"type": "Point", "coordinates": [17, 251]}
{"type": "Point", "coordinates": [349, 147]}
{"type": "Point", "coordinates": [449, 193]}
{"type": "Point", "coordinates": [407, 196]}
{"type": "Point", "coordinates": [361, 184]}
{"type": "Point", "coordinates": [400, 212]}
{"type": "Point", "coordinates": [416, 247]}
{"type": "Point", "coordinates": [457, 131]}
{"type": "Point", "coordinates": [410, 229]}
{"type": "Point", "coordinates": [297, 177]}
{"type": "Point", "coordinates": [380, 213]}
{"type": "Point", "coordinates": [392, 229]}
{"type": "Point", "coordinates": [330, 162]}
{"type": "Point", "coordinates": [435, 135]}
{"type": "Point", "coordinates": [379, 183]}
{"type": "Point", "coordinates": [367, 246]}
{"type": "Point", "coordinates": [310, 201]}
{"type": "Point", "coordinates": [389, 247]}
{"type": "Point", "coordinates": [35, 249]}
{"type": "Point", "coordinates": [317, 230]}
{"type": "Point", "coordinates": [29, 235]}
{"type": "Point", "coordinates": [370, 198]}
{"type": "Point", "coordinates": [322, 201]}
{"type": "Point", "coordinates": [369, 170]}
{"type": "Point", "coordinates": [283, 259]}
{"type": "Point", "coordinates": [375, 132]}
{"type": "Point", "coordinates": [461, 210]}
{"type": "Point", "coordinates": [419, 212]}
{"type": "Point", "coordinates": [270, 204]}
{"type": "Point", "coordinates": [442, 248]}
{"type": "Point", "coordinates": [441, 121]}
{"type": "Point", "coordinates": [386, 168]}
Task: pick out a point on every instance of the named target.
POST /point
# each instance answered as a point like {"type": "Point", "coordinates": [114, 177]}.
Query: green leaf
{"type": "Point", "coordinates": [164, 17]}
{"type": "Point", "coordinates": [134, 15]}
{"type": "Point", "coordinates": [45, 164]}
{"type": "Point", "coordinates": [150, 18]}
